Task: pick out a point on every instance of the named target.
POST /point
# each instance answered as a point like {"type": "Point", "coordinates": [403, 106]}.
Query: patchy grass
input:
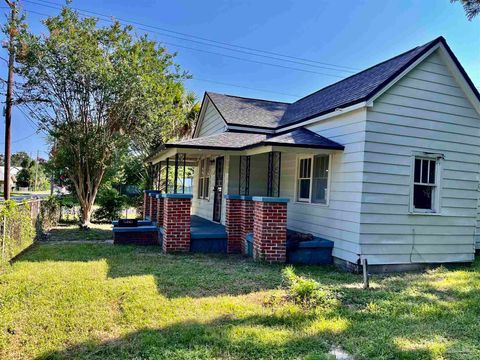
{"type": "Point", "coordinates": [99, 301]}
{"type": "Point", "coordinates": [72, 232]}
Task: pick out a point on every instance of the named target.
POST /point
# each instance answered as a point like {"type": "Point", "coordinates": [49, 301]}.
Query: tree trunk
{"type": "Point", "coordinates": [86, 214]}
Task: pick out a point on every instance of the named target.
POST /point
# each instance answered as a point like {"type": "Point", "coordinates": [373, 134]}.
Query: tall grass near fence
{"type": "Point", "coordinates": [17, 227]}
{"type": "Point", "coordinates": [21, 223]}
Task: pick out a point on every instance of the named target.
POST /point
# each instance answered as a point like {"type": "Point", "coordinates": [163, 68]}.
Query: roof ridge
{"type": "Point", "coordinates": [248, 98]}
{"type": "Point", "coordinates": [440, 38]}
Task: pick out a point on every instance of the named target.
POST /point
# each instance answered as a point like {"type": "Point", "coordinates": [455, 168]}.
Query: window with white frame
{"type": "Point", "coordinates": [204, 179]}
{"type": "Point", "coordinates": [312, 179]}
{"type": "Point", "coordinates": [426, 192]}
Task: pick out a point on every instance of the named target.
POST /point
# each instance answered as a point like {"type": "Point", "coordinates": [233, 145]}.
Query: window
{"type": "Point", "coordinates": [312, 181]}
{"type": "Point", "coordinates": [425, 197]}
{"type": "Point", "coordinates": [204, 179]}
{"type": "Point", "coordinates": [304, 179]}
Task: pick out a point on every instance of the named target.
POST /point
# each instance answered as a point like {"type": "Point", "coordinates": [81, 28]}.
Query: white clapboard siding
{"type": "Point", "coordinates": [340, 220]}
{"type": "Point", "coordinates": [425, 111]}
{"type": "Point", "coordinates": [203, 207]}
{"type": "Point", "coordinates": [211, 123]}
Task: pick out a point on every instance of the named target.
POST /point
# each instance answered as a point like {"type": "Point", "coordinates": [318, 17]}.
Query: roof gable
{"type": "Point", "coordinates": [356, 89]}
{"type": "Point", "coordinates": [242, 111]}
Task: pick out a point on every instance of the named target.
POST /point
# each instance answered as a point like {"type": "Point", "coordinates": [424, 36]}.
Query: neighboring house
{"type": "Point", "coordinates": [13, 173]}
{"type": "Point", "coordinates": [384, 163]}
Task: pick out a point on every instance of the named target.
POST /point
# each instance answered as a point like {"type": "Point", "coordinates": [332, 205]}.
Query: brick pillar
{"type": "Point", "coordinates": [270, 229]}
{"type": "Point", "coordinates": [146, 204]}
{"type": "Point", "coordinates": [233, 223]}
{"type": "Point", "coordinates": [247, 220]}
{"type": "Point", "coordinates": [160, 204]}
{"type": "Point", "coordinates": [176, 222]}
{"type": "Point", "coordinates": [153, 206]}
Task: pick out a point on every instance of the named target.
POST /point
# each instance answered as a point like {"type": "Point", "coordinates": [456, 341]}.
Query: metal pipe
{"type": "Point", "coordinates": [366, 280]}
{"type": "Point", "coordinates": [184, 163]}
{"type": "Point", "coordinates": [175, 174]}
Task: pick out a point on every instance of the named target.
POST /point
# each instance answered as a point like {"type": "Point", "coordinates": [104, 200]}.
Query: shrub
{"type": "Point", "coordinates": [303, 291]}
{"type": "Point", "coordinates": [111, 204]}
{"type": "Point", "coordinates": [50, 212]}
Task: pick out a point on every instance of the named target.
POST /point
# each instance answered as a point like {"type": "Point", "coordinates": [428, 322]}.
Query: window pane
{"type": "Point", "coordinates": [320, 166]}
{"type": "Point", "coordinates": [432, 172]}
{"type": "Point", "coordinates": [320, 179]}
{"type": "Point", "coordinates": [425, 171]}
{"type": "Point", "coordinates": [422, 197]}
{"type": "Point", "coordinates": [418, 164]}
{"type": "Point", "coordinates": [304, 189]}
{"type": "Point", "coordinates": [319, 190]}
{"type": "Point", "coordinates": [206, 168]}
{"type": "Point", "coordinates": [206, 190]}
{"type": "Point", "coordinates": [305, 168]}
{"type": "Point", "coordinates": [200, 187]}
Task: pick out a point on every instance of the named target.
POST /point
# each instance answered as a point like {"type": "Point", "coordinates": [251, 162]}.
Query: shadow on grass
{"type": "Point", "coordinates": [409, 316]}
{"type": "Point", "coordinates": [177, 275]}
{"type": "Point", "coordinates": [72, 232]}
{"type": "Point", "coordinates": [254, 337]}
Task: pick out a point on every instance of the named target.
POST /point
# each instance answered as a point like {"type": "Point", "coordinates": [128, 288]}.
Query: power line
{"type": "Point", "coordinates": [244, 87]}
{"type": "Point", "coordinates": [35, 126]}
{"type": "Point", "coordinates": [341, 67]}
{"type": "Point", "coordinates": [221, 54]}
{"type": "Point", "coordinates": [21, 139]}
{"type": "Point", "coordinates": [220, 83]}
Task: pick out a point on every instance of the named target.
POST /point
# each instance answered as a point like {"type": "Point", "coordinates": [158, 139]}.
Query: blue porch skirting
{"type": "Point", "coordinates": [316, 252]}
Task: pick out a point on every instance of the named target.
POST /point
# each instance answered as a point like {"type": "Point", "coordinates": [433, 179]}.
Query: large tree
{"type": "Point", "coordinates": [19, 158]}
{"type": "Point", "coordinates": [96, 90]}
{"type": "Point", "coordinates": [471, 7]}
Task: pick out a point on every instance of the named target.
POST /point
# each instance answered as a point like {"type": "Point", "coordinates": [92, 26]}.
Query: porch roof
{"type": "Point", "coordinates": [299, 137]}
{"type": "Point", "coordinates": [222, 141]}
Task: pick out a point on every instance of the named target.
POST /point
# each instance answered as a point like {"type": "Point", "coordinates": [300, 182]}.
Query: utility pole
{"type": "Point", "coordinates": [9, 99]}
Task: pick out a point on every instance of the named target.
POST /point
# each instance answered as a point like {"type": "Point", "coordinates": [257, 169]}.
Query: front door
{"type": "Point", "coordinates": [218, 189]}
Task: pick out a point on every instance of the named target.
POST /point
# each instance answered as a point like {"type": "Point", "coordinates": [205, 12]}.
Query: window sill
{"type": "Point", "coordinates": [425, 213]}
{"type": "Point", "coordinates": [310, 204]}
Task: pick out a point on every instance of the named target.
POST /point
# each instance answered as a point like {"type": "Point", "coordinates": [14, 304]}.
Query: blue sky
{"type": "Point", "coordinates": [349, 35]}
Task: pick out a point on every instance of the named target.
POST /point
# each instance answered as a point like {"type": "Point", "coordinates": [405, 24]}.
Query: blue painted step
{"type": "Point", "coordinates": [317, 251]}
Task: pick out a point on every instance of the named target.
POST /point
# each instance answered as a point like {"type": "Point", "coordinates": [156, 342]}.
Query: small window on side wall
{"type": "Point", "coordinates": [426, 190]}
{"type": "Point", "coordinates": [203, 180]}
{"type": "Point", "coordinates": [312, 179]}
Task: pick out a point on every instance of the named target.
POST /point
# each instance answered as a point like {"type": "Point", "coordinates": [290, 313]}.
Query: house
{"type": "Point", "coordinates": [14, 170]}
{"type": "Point", "coordinates": [384, 164]}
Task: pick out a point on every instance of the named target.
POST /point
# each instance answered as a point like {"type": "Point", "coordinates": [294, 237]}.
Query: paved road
{"type": "Point", "coordinates": [29, 196]}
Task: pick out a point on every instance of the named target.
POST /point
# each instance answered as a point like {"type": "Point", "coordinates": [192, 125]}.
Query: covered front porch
{"type": "Point", "coordinates": [235, 181]}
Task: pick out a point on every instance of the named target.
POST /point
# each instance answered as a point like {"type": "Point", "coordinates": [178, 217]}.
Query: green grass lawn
{"type": "Point", "coordinates": [72, 232]}
{"type": "Point", "coordinates": [98, 301]}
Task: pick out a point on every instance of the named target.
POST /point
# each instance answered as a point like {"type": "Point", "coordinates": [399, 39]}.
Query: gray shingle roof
{"type": "Point", "coordinates": [304, 138]}
{"type": "Point", "coordinates": [248, 112]}
{"type": "Point", "coordinates": [352, 90]}
{"type": "Point", "coordinates": [238, 141]}
{"type": "Point", "coordinates": [226, 140]}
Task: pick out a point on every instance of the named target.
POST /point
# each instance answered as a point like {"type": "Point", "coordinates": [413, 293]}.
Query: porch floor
{"type": "Point", "coordinates": [201, 228]}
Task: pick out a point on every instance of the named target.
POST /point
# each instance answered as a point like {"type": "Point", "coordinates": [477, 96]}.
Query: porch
{"type": "Point", "coordinates": [257, 231]}
{"type": "Point", "coordinates": [232, 183]}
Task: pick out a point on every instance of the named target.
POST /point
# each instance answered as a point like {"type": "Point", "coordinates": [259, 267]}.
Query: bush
{"type": "Point", "coordinates": [111, 204]}
{"type": "Point", "coordinates": [303, 291]}
{"type": "Point", "coordinates": [50, 212]}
